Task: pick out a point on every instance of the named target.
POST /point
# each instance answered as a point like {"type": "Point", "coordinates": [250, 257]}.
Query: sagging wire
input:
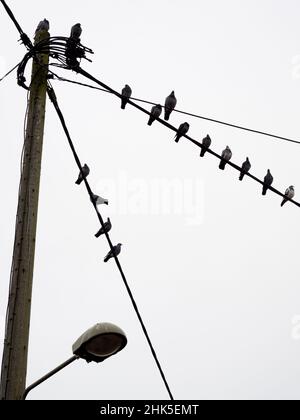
{"type": "Point", "coordinates": [213, 120]}
{"type": "Point", "coordinates": [195, 142]}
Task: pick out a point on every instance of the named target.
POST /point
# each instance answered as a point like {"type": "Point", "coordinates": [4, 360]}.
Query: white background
{"type": "Point", "coordinates": [218, 297]}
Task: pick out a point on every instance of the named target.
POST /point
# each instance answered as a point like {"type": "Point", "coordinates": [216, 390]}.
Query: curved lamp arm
{"type": "Point", "coordinates": [48, 375]}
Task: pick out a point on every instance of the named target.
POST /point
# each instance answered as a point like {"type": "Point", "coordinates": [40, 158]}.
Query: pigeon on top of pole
{"type": "Point", "coordinates": [226, 156]}
{"type": "Point", "coordinates": [206, 142]}
{"type": "Point", "coordinates": [43, 26]}
{"type": "Point", "coordinates": [155, 113]}
{"type": "Point", "coordinates": [99, 200]}
{"type": "Point", "coordinates": [289, 194]}
{"type": "Point", "coordinates": [117, 250]}
{"type": "Point", "coordinates": [170, 104]}
{"type": "Point", "coordinates": [85, 172]}
{"type": "Point", "coordinates": [126, 93]}
{"type": "Point", "coordinates": [76, 32]}
{"type": "Point", "coordinates": [105, 229]}
{"type": "Point", "coordinates": [268, 181]}
{"type": "Point", "coordinates": [245, 169]}
{"type": "Point", "coordinates": [182, 130]}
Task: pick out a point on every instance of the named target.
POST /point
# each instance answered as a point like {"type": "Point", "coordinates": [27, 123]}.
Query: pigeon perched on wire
{"type": "Point", "coordinates": [206, 142]}
{"type": "Point", "coordinates": [43, 26]}
{"type": "Point", "coordinates": [155, 113]}
{"type": "Point", "coordinates": [99, 200]}
{"type": "Point", "coordinates": [170, 104]}
{"type": "Point", "coordinates": [126, 93]}
{"type": "Point", "coordinates": [245, 169]}
{"type": "Point", "coordinates": [289, 195]}
{"type": "Point", "coordinates": [76, 31]}
{"type": "Point", "coordinates": [85, 172]}
{"type": "Point", "coordinates": [226, 156]}
{"type": "Point", "coordinates": [117, 250]}
{"type": "Point", "coordinates": [182, 130]}
{"type": "Point", "coordinates": [105, 229]}
{"type": "Point", "coordinates": [268, 181]}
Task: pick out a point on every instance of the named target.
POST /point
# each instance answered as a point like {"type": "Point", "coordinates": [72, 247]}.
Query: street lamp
{"type": "Point", "coordinates": [95, 345]}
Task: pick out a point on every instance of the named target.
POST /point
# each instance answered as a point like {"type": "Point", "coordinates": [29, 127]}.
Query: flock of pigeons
{"type": "Point", "coordinates": [97, 200]}
{"type": "Point", "coordinates": [156, 110]}
{"type": "Point", "coordinates": [170, 104]}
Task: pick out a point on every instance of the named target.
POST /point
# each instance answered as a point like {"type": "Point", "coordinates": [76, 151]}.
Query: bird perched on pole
{"type": "Point", "coordinates": [245, 169]}
{"type": "Point", "coordinates": [99, 200]}
{"type": "Point", "coordinates": [182, 130]}
{"type": "Point", "coordinates": [289, 194]}
{"type": "Point", "coordinates": [206, 142]}
{"type": "Point", "coordinates": [155, 113]}
{"type": "Point", "coordinates": [85, 172]}
{"type": "Point", "coordinates": [126, 93]}
{"type": "Point", "coordinates": [268, 181]}
{"type": "Point", "coordinates": [43, 26]}
{"type": "Point", "coordinates": [76, 31]}
{"type": "Point", "coordinates": [170, 104]}
{"type": "Point", "coordinates": [117, 250]}
{"type": "Point", "coordinates": [226, 156]}
{"type": "Point", "coordinates": [105, 229]}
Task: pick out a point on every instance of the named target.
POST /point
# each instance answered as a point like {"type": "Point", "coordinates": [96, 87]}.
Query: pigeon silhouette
{"type": "Point", "coordinates": [85, 172]}
{"type": "Point", "coordinates": [76, 31]}
{"type": "Point", "coordinates": [126, 93]}
{"type": "Point", "coordinates": [99, 200]}
{"type": "Point", "coordinates": [170, 104]}
{"type": "Point", "coordinates": [105, 229]}
{"type": "Point", "coordinates": [117, 250]}
{"type": "Point", "coordinates": [245, 169]}
{"type": "Point", "coordinates": [268, 181]}
{"type": "Point", "coordinates": [289, 194]}
{"type": "Point", "coordinates": [206, 142]}
{"type": "Point", "coordinates": [43, 26]}
{"type": "Point", "coordinates": [226, 156]}
{"type": "Point", "coordinates": [155, 113]}
{"type": "Point", "coordinates": [182, 130]}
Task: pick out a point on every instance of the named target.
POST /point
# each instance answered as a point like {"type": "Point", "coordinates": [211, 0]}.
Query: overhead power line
{"type": "Point", "coordinates": [59, 49]}
{"type": "Point", "coordinates": [9, 72]}
{"type": "Point", "coordinates": [264, 133]}
{"type": "Point", "coordinates": [25, 39]}
{"type": "Point", "coordinates": [171, 127]}
{"type": "Point", "coordinates": [63, 79]}
{"type": "Point", "coordinates": [53, 99]}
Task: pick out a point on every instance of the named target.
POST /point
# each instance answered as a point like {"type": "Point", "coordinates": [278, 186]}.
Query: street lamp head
{"type": "Point", "coordinates": [100, 342]}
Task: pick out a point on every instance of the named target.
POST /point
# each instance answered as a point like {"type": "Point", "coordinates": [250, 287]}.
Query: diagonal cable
{"type": "Point", "coordinates": [24, 37]}
{"type": "Point", "coordinates": [53, 99]}
{"type": "Point", "coordinates": [171, 127]}
{"type": "Point", "coordinates": [240, 127]}
{"type": "Point", "coordinates": [8, 73]}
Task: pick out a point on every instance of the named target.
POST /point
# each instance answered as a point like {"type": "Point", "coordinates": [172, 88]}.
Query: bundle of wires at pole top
{"type": "Point", "coordinates": [67, 51]}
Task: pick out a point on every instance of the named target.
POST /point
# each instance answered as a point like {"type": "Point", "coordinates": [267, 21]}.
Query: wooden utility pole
{"type": "Point", "coordinates": [14, 361]}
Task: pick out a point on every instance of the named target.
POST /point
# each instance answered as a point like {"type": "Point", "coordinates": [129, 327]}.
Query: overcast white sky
{"type": "Point", "coordinates": [214, 266]}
